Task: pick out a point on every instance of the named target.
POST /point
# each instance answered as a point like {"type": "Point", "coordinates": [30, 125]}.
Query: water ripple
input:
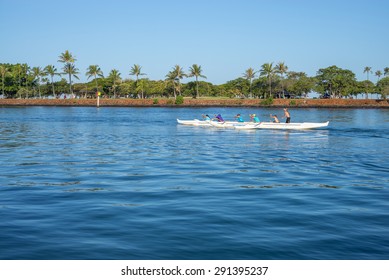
{"type": "Point", "coordinates": [129, 183]}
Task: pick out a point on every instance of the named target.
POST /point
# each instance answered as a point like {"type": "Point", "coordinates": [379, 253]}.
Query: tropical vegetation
{"type": "Point", "coordinates": [269, 81]}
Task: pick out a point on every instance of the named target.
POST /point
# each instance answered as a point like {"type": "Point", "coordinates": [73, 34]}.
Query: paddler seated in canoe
{"type": "Point", "coordinates": [218, 118]}
{"type": "Point", "coordinates": [275, 118]}
{"type": "Point", "coordinates": [239, 118]}
{"type": "Point", "coordinates": [254, 118]}
{"type": "Point", "coordinates": [206, 117]}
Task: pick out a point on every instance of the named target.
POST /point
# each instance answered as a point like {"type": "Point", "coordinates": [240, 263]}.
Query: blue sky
{"type": "Point", "coordinates": [224, 37]}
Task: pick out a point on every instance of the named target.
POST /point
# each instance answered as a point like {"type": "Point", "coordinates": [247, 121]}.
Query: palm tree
{"type": "Point", "coordinates": [18, 73]}
{"type": "Point", "coordinates": [68, 59]}
{"type": "Point", "coordinates": [72, 71]}
{"type": "Point", "coordinates": [268, 71]}
{"type": "Point", "coordinates": [3, 73]}
{"type": "Point", "coordinates": [378, 73]}
{"type": "Point", "coordinates": [177, 74]}
{"type": "Point", "coordinates": [94, 70]}
{"type": "Point", "coordinates": [249, 75]}
{"type": "Point", "coordinates": [367, 70]}
{"type": "Point", "coordinates": [52, 71]}
{"type": "Point", "coordinates": [114, 77]}
{"type": "Point", "coordinates": [38, 73]}
{"type": "Point", "coordinates": [195, 71]}
{"type": "Point", "coordinates": [386, 71]}
{"type": "Point", "coordinates": [140, 86]}
{"type": "Point", "coordinates": [136, 70]}
{"type": "Point", "coordinates": [172, 78]}
{"type": "Point", "coordinates": [281, 68]}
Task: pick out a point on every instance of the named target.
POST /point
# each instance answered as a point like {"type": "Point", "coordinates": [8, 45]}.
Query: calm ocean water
{"type": "Point", "coordinates": [129, 183]}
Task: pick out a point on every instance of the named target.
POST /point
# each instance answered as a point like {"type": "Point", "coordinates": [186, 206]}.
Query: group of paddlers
{"type": "Point", "coordinates": [253, 117]}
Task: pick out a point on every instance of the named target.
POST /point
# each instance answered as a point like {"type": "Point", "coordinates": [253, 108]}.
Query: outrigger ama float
{"type": "Point", "coordinates": [251, 125]}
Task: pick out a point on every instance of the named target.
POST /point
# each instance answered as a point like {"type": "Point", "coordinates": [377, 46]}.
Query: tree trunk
{"type": "Point", "coordinates": [197, 87]}
{"type": "Point", "coordinates": [70, 85]}
{"type": "Point", "coordinates": [3, 79]}
{"type": "Point", "coordinates": [250, 95]}
{"type": "Point", "coordinates": [174, 89]}
{"type": "Point", "coordinates": [52, 86]}
{"type": "Point", "coordinates": [96, 83]}
{"type": "Point", "coordinates": [179, 87]}
{"type": "Point", "coordinates": [270, 86]}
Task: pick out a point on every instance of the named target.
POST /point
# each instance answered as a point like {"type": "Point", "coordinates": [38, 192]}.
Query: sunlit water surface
{"type": "Point", "coordinates": [129, 183]}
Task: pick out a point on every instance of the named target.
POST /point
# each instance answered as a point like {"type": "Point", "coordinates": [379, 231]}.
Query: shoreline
{"type": "Point", "coordinates": [202, 102]}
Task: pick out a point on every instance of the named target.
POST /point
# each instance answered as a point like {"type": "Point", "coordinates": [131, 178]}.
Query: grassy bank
{"type": "Point", "coordinates": [203, 102]}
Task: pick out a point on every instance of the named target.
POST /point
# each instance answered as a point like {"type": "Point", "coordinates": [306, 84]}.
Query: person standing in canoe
{"type": "Point", "coordinates": [219, 118]}
{"type": "Point", "coordinates": [254, 118]}
{"type": "Point", "coordinates": [286, 115]}
{"type": "Point", "coordinates": [239, 118]}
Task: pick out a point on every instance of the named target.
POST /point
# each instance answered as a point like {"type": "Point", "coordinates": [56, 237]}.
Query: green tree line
{"type": "Point", "coordinates": [269, 81]}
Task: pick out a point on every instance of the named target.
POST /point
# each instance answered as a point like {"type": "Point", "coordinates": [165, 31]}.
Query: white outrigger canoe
{"type": "Point", "coordinates": [271, 125]}
{"type": "Point", "coordinates": [251, 125]}
{"type": "Point", "coordinates": [194, 122]}
{"type": "Point", "coordinates": [197, 122]}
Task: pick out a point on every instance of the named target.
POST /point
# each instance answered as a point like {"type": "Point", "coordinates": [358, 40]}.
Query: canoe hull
{"type": "Point", "coordinates": [284, 126]}
{"type": "Point", "coordinates": [197, 122]}
{"type": "Point", "coordinates": [194, 122]}
{"type": "Point", "coordinates": [250, 125]}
